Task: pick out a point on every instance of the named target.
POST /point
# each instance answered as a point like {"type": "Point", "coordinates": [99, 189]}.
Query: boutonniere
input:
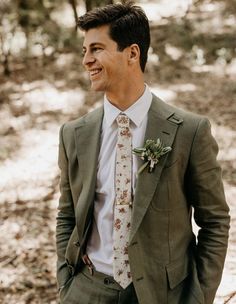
{"type": "Point", "coordinates": [151, 153]}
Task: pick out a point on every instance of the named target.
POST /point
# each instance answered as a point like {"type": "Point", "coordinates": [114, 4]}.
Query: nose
{"type": "Point", "coordinates": [88, 59]}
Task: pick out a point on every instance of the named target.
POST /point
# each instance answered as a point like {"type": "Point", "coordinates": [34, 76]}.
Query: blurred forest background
{"type": "Point", "coordinates": [192, 64]}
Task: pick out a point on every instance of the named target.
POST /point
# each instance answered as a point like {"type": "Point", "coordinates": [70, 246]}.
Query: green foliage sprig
{"type": "Point", "coordinates": [151, 153]}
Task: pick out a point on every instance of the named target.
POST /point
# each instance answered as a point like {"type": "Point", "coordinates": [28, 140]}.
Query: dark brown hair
{"type": "Point", "coordinates": [127, 22]}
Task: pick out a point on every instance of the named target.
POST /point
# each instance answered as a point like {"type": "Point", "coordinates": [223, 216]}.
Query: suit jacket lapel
{"type": "Point", "coordinates": [87, 138]}
{"type": "Point", "coordinates": [158, 126]}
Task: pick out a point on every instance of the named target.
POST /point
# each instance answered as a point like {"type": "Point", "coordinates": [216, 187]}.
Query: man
{"type": "Point", "coordinates": [124, 235]}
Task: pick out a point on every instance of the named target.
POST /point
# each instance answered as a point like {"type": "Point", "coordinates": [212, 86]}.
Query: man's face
{"type": "Point", "coordinates": [106, 65]}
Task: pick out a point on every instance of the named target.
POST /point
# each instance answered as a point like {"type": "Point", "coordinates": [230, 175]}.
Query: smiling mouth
{"type": "Point", "coordinates": [94, 72]}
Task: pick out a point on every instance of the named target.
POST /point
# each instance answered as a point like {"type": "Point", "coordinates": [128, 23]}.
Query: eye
{"type": "Point", "coordinates": [96, 49]}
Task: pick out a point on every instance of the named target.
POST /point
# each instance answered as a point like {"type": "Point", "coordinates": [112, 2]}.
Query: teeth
{"type": "Point", "coordinates": [94, 72]}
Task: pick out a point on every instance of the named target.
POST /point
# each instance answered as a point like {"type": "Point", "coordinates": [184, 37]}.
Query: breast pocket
{"type": "Point", "coordinates": [170, 192]}
{"type": "Point", "coordinates": [171, 162]}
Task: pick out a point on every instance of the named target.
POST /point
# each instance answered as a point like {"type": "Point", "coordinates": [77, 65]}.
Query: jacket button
{"type": "Point", "coordinates": [77, 244]}
{"type": "Point", "coordinates": [107, 281]}
{"type": "Point", "coordinates": [72, 269]}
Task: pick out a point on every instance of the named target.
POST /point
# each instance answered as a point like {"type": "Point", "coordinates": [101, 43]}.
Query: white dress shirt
{"type": "Point", "coordinates": [100, 244]}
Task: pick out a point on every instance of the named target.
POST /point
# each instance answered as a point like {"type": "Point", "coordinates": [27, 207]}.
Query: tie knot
{"type": "Point", "coordinates": [122, 120]}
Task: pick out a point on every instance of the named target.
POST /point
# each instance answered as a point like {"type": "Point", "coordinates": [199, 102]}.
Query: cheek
{"type": "Point", "coordinates": [122, 72]}
{"type": "Point", "coordinates": [119, 64]}
{"type": "Point", "coordinates": [115, 66]}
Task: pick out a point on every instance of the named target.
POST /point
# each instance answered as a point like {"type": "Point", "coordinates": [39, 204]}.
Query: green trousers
{"type": "Point", "coordinates": [84, 288]}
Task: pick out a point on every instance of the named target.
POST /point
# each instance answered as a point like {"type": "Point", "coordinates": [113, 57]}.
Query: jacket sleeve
{"type": "Point", "coordinates": [206, 193]}
{"type": "Point", "coordinates": [65, 217]}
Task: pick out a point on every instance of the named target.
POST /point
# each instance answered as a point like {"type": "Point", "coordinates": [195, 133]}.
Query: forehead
{"type": "Point", "coordinates": [98, 35]}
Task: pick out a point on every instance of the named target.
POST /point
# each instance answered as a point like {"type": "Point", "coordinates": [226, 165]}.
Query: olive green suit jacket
{"type": "Point", "coordinates": [168, 264]}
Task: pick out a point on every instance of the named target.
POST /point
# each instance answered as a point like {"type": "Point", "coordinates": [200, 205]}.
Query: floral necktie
{"type": "Point", "coordinates": [123, 202]}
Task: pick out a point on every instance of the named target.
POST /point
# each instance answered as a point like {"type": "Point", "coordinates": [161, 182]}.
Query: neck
{"type": "Point", "coordinates": [123, 99]}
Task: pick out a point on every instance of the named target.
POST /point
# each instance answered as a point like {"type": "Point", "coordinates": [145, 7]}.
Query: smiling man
{"type": "Point", "coordinates": [124, 235]}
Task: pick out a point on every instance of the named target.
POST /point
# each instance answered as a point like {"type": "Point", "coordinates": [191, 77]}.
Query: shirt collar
{"type": "Point", "coordinates": [136, 112]}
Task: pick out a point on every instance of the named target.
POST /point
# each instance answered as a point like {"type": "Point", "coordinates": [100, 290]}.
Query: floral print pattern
{"type": "Point", "coordinates": [123, 205]}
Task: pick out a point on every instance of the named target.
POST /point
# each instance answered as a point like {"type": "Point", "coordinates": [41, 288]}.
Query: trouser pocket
{"type": "Point", "coordinates": [64, 288]}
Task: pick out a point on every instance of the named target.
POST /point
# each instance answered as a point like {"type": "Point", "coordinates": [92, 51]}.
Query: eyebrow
{"type": "Point", "coordinates": [94, 44]}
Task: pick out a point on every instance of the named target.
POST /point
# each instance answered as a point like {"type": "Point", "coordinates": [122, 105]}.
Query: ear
{"type": "Point", "coordinates": [134, 53]}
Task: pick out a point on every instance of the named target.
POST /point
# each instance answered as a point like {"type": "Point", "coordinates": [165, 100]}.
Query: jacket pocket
{"type": "Point", "coordinates": [177, 272]}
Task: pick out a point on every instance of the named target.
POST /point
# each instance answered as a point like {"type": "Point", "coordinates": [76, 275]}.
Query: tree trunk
{"type": "Point", "coordinates": [74, 5]}
{"type": "Point", "coordinates": [6, 69]}
{"type": "Point", "coordinates": [90, 4]}
{"type": "Point", "coordinates": [5, 55]}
